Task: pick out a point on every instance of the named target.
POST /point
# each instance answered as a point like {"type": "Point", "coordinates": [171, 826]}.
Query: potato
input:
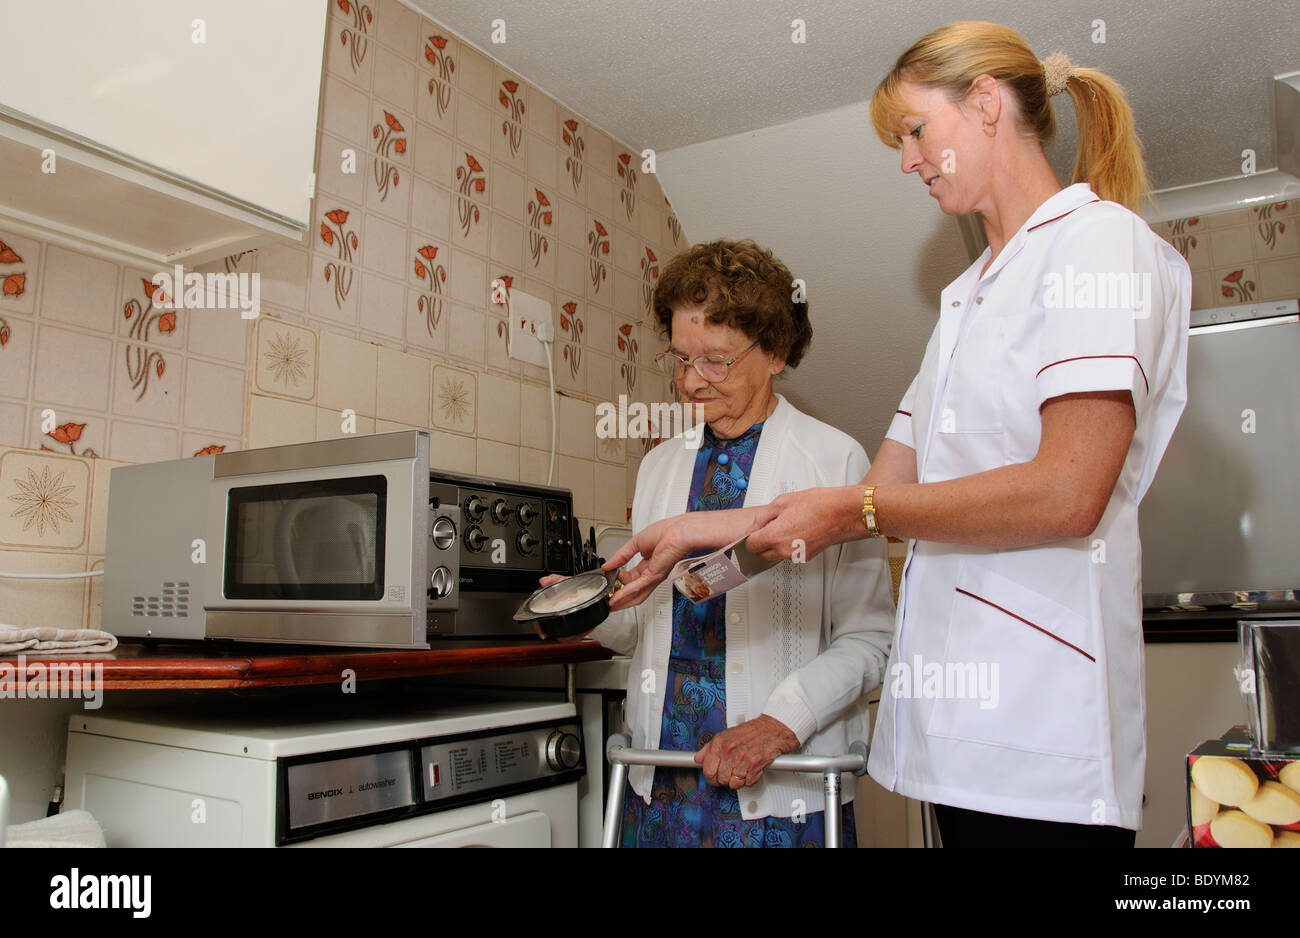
{"type": "Point", "coordinates": [1290, 776]}
{"type": "Point", "coordinates": [1274, 803]}
{"type": "Point", "coordinates": [1203, 809]}
{"type": "Point", "coordinates": [1235, 829]}
{"type": "Point", "coordinates": [1286, 839]}
{"type": "Point", "coordinates": [1225, 780]}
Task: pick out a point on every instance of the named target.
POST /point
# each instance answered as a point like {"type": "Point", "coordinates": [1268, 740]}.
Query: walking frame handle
{"type": "Point", "coordinates": [620, 756]}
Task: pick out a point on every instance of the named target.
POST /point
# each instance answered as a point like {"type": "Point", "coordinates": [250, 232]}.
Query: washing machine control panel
{"type": "Point", "coordinates": [329, 792]}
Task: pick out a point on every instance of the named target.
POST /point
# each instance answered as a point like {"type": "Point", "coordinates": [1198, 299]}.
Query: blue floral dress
{"type": "Point", "coordinates": [685, 810]}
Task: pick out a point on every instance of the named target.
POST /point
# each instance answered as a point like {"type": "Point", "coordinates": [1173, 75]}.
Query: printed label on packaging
{"type": "Point", "coordinates": [703, 578]}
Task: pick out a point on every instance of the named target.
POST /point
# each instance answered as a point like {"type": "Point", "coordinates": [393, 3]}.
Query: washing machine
{"type": "Point", "coordinates": [498, 773]}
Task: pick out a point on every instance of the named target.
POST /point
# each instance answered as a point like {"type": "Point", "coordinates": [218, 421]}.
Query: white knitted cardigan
{"type": "Point", "coordinates": [805, 642]}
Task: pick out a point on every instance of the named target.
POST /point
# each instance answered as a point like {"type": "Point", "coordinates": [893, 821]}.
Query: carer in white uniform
{"type": "Point", "coordinates": [1047, 395]}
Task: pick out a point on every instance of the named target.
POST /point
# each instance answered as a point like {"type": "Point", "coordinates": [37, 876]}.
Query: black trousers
{"type": "Point", "coordinates": [961, 828]}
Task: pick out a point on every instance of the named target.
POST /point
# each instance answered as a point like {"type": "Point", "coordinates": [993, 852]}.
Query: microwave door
{"type": "Point", "coordinates": [323, 541]}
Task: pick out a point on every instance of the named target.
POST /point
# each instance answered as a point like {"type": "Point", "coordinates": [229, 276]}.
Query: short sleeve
{"type": "Point", "coordinates": [1109, 295]}
{"type": "Point", "coordinates": [900, 428]}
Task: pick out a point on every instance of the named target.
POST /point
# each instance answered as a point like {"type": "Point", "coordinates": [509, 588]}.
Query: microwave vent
{"type": "Point", "coordinates": [172, 603]}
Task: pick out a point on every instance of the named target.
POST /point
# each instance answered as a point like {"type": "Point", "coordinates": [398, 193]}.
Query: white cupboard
{"type": "Point", "coordinates": [170, 131]}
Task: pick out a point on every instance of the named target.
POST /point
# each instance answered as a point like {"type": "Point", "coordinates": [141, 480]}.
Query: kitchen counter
{"type": "Point", "coordinates": [186, 666]}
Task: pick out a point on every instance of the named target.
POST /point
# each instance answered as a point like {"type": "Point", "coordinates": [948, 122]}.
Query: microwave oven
{"type": "Point", "coordinates": [356, 541]}
{"type": "Point", "coordinates": [331, 543]}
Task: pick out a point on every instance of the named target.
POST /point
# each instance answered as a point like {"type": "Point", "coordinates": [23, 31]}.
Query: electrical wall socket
{"type": "Point", "coordinates": [526, 313]}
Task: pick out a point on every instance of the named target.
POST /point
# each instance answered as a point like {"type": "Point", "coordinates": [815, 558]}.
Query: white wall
{"type": "Point", "coordinates": [828, 198]}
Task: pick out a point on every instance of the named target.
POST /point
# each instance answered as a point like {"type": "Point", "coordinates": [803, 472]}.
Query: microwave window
{"type": "Point", "coordinates": [318, 540]}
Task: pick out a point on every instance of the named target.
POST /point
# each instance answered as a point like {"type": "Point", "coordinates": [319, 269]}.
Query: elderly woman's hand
{"type": "Point", "coordinates": [738, 757]}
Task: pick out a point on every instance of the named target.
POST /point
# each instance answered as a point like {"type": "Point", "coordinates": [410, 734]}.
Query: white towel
{"type": "Point", "coordinates": [69, 829]}
{"type": "Point", "coordinates": [52, 641]}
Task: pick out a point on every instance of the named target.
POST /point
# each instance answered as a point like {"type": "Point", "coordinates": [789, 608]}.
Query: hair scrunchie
{"type": "Point", "coordinates": [1056, 70]}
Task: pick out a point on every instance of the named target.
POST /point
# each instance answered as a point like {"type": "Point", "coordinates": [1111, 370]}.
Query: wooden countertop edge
{"type": "Point", "coordinates": [243, 670]}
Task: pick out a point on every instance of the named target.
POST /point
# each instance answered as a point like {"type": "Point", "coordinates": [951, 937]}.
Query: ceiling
{"type": "Point", "coordinates": [668, 73]}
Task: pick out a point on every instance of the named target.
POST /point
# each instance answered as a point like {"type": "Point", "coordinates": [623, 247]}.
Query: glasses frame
{"type": "Point", "coordinates": [680, 368]}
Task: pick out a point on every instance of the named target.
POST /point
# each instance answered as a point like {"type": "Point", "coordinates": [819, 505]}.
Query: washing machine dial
{"type": "Point", "coordinates": [563, 751]}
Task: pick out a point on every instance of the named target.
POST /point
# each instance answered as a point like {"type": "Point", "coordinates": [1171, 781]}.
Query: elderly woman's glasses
{"type": "Point", "coordinates": [712, 368]}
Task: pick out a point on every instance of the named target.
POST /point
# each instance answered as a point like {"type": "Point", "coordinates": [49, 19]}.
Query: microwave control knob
{"type": "Point", "coordinates": [476, 506]}
{"type": "Point", "coordinates": [440, 583]}
{"type": "Point", "coordinates": [527, 543]}
{"type": "Point", "coordinates": [526, 514]}
{"type": "Point", "coordinates": [475, 538]}
{"type": "Point", "coordinates": [563, 751]}
{"type": "Point", "coordinates": [500, 511]}
{"type": "Point", "coordinates": [444, 533]}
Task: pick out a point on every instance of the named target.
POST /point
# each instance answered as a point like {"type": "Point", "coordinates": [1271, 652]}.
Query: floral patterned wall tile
{"type": "Point", "coordinates": [77, 435]}
{"type": "Point", "coordinates": [1279, 279]}
{"type": "Point", "coordinates": [285, 360]}
{"type": "Point", "coordinates": [600, 376]}
{"type": "Point", "coordinates": [17, 349]}
{"type": "Point", "coordinates": [347, 45]}
{"type": "Point", "coordinates": [612, 449]}
{"type": "Point", "coordinates": [336, 256]}
{"type": "Point", "coordinates": [388, 178]}
{"type": "Point", "coordinates": [46, 500]}
{"type": "Point", "coordinates": [20, 269]}
{"type": "Point", "coordinates": [436, 86]}
{"type": "Point", "coordinates": [455, 402]}
{"type": "Point", "coordinates": [198, 443]}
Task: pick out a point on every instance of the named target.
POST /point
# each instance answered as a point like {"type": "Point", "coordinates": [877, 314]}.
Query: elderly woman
{"type": "Point", "coordinates": [782, 662]}
{"type": "Point", "coordinates": [1016, 460]}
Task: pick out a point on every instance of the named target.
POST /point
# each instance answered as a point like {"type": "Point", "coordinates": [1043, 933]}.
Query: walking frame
{"type": "Point", "coordinates": [620, 756]}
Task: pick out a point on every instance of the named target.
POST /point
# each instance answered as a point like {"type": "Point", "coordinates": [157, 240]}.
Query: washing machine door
{"type": "Point", "coordinates": [531, 829]}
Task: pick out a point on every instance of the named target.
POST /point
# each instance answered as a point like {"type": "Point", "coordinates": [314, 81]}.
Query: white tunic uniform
{"type": "Point", "coordinates": [1015, 684]}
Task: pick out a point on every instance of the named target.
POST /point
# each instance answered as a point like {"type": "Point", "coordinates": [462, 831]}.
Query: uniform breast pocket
{"type": "Point", "coordinates": [977, 382]}
{"type": "Point", "coordinates": [1034, 664]}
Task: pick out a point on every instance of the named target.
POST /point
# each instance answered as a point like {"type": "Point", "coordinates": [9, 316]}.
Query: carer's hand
{"type": "Point", "coordinates": [738, 757]}
{"type": "Point", "coordinates": [814, 518]}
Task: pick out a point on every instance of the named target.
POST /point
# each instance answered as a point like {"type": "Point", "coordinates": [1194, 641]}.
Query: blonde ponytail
{"type": "Point", "coordinates": [951, 58]}
{"type": "Point", "coordinates": [1109, 157]}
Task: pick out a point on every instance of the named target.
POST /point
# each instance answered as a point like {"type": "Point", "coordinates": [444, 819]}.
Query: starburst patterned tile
{"type": "Point", "coordinates": [455, 399]}
{"type": "Point", "coordinates": [43, 500]}
{"type": "Point", "coordinates": [286, 360]}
